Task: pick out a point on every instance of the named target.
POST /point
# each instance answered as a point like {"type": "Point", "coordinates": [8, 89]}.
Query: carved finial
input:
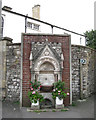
{"type": "Point", "coordinates": [31, 56]}
{"type": "Point", "coordinates": [46, 40]}
{"type": "Point", "coordinates": [62, 57]}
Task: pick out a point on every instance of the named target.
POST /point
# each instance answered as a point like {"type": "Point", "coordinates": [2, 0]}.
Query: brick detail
{"type": "Point", "coordinates": [27, 39]}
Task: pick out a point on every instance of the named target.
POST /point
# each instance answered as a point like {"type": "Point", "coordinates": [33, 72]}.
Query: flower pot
{"type": "Point", "coordinates": [35, 106]}
{"type": "Point", "coordinates": [35, 103]}
{"type": "Point", "coordinates": [58, 101]}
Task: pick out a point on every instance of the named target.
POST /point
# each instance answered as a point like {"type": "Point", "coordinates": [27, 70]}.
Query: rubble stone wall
{"type": "Point", "coordinates": [88, 77]}
{"type": "Point", "coordinates": [13, 62]}
{"type": "Point", "coordinates": [3, 48]}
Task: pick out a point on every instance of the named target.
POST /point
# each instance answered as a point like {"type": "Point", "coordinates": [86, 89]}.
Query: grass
{"type": "Point", "coordinates": [3, 100]}
{"type": "Point", "coordinates": [73, 104]}
{"type": "Point", "coordinates": [53, 110]}
{"type": "Point", "coordinates": [64, 110]}
{"type": "Point", "coordinates": [37, 111]}
{"type": "Point", "coordinates": [44, 111]}
{"type": "Point", "coordinates": [16, 102]}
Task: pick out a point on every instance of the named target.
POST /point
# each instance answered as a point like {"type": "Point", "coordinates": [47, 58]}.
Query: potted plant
{"type": "Point", "coordinates": [58, 92]}
{"type": "Point", "coordinates": [34, 95]}
{"type": "Point", "coordinates": [35, 85]}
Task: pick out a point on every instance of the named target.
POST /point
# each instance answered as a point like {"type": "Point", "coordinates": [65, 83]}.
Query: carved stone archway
{"type": "Point", "coordinates": [46, 74]}
{"type": "Point", "coordinates": [52, 69]}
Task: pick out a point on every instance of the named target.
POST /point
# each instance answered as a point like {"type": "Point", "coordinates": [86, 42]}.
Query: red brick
{"type": "Point", "coordinates": [26, 64]}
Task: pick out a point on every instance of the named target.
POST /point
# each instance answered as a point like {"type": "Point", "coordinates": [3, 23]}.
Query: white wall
{"type": "Point", "coordinates": [0, 16]}
{"type": "Point", "coordinates": [95, 15]}
{"type": "Point", "coordinates": [15, 25]}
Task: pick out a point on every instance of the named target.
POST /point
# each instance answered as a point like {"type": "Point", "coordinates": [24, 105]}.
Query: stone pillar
{"type": "Point", "coordinates": [56, 77]}
{"type": "Point", "coordinates": [36, 76]}
{"type": "Point", "coordinates": [81, 81]}
{"type": "Point", "coordinates": [3, 49]}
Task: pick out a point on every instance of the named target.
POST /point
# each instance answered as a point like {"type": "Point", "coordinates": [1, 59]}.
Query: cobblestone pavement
{"type": "Point", "coordinates": [80, 109]}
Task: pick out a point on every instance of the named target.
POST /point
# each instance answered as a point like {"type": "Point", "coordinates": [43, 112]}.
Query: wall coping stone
{"type": "Point", "coordinates": [13, 44]}
{"type": "Point", "coordinates": [72, 45]}
{"type": "Point", "coordinates": [7, 39]}
{"type": "Point", "coordinates": [45, 34]}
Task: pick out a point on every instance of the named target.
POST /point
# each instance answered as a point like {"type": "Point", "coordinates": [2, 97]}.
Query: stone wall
{"type": "Point", "coordinates": [81, 52]}
{"type": "Point", "coordinates": [3, 48]}
{"type": "Point", "coordinates": [13, 62]}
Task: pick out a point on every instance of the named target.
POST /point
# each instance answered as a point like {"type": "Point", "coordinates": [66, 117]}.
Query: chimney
{"type": "Point", "coordinates": [36, 12]}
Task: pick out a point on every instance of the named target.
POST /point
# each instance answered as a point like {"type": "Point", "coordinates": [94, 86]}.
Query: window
{"type": "Point", "coordinates": [29, 24]}
{"type": "Point", "coordinates": [33, 26]}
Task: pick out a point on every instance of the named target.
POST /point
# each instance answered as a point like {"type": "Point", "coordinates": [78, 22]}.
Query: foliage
{"type": "Point", "coordinates": [64, 110]}
{"type": "Point", "coordinates": [60, 85]}
{"type": "Point", "coordinates": [59, 90]}
{"type": "Point", "coordinates": [33, 94]}
{"type": "Point", "coordinates": [37, 111]}
{"type": "Point", "coordinates": [17, 102]}
{"type": "Point", "coordinates": [53, 110]}
{"type": "Point", "coordinates": [73, 104]}
{"type": "Point", "coordinates": [91, 38]}
{"type": "Point", "coordinates": [35, 85]}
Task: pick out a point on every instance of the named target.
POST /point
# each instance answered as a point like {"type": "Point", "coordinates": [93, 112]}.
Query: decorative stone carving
{"type": "Point", "coordinates": [46, 53]}
{"type": "Point", "coordinates": [46, 79]}
{"type": "Point", "coordinates": [46, 66]}
{"type": "Point", "coordinates": [62, 60]}
{"type": "Point", "coordinates": [31, 56]}
{"type": "Point", "coordinates": [62, 57]}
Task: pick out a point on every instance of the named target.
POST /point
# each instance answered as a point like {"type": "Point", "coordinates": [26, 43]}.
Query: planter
{"type": "Point", "coordinates": [35, 103]}
{"type": "Point", "coordinates": [58, 101]}
{"type": "Point", "coordinates": [35, 106]}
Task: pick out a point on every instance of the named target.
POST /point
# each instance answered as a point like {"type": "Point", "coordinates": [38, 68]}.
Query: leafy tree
{"type": "Point", "coordinates": [91, 38]}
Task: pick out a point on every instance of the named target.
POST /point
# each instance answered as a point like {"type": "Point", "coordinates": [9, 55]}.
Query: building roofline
{"type": "Point", "coordinates": [26, 16]}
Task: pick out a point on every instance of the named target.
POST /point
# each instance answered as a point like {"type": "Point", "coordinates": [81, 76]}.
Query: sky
{"type": "Point", "coordinates": [75, 15]}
